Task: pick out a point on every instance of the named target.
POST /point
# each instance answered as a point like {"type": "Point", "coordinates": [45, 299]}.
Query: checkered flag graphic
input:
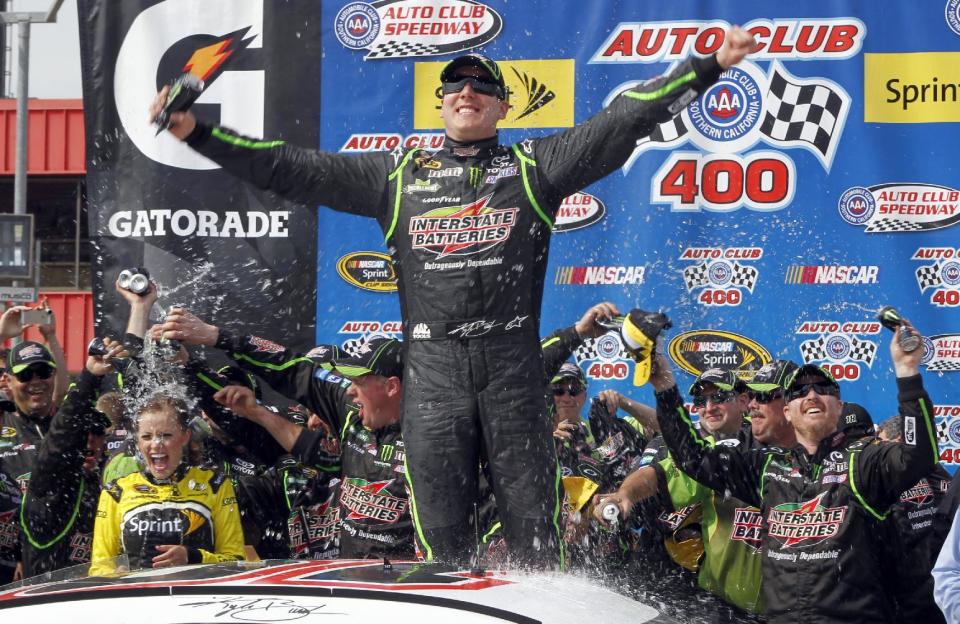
{"type": "Point", "coordinates": [943, 365]}
{"type": "Point", "coordinates": [942, 436]}
{"type": "Point", "coordinates": [401, 49]}
{"type": "Point", "coordinates": [696, 276]}
{"type": "Point", "coordinates": [890, 224]}
{"type": "Point", "coordinates": [862, 350]}
{"type": "Point", "coordinates": [815, 349]}
{"type": "Point", "coordinates": [805, 113]}
{"type": "Point", "coordinates": [928, 276]}
{"type": "Point", "coordinates": [587, 351]}
{"type": "Point", "coordinates": [744, 276]}
{"type": "Point", "coordinates": [666, 133]}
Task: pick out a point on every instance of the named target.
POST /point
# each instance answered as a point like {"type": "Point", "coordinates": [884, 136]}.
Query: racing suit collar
{"type": "Point", "coordinates": [474, 149]}
{"type": "Point", "coordinates": [177, 475]}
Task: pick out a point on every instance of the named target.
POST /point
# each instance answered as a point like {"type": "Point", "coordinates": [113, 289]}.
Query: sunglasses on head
{"type": "Point", "coordinates": [720, 396]}
{"type": "Point", "coordinates": [40, 372]}
{"type": "Point", "coordinates": [763, 398]}
{"type": "Point", "coordinates": [478, 84]}
{"type": "Point", "coordinates": [573, 390]}
{"type": "Point", "coordinates": [823, 388]}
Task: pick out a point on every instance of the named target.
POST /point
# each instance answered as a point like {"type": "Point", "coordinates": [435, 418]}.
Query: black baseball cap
{"type": "Point", "coordinates": [26, 354]}
{"type": "Point", "coordinates": [448, 74]}
{"type": "Point", "coordinates": [570, 370]}
{"type": "Point", "coordinates": [809, 370]}
{"type": "Point", "coordinates": [772, 376]}
{"type": "Point", "coordinates": [722, 379]}
{"type": "Point", "coordinates": [378, 356]}
{"type": "Point", "coordinates": [856, 416]}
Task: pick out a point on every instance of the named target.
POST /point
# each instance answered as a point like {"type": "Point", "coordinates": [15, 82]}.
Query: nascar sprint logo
{"type": "Point", "coordinates": [914, 207]}
{"type": "Point", "coordinates": [696, 351]}
{"type": "Point", "coordinates": [721, 273]}
{"type": "Point", "coordinates": [368, 270]}
{"type": "Point", "coordinates": [838, 346]}
{"type": "Point", "coordinates": [406, 28]}
{"type": "Point", "coordinates": [943, 276]}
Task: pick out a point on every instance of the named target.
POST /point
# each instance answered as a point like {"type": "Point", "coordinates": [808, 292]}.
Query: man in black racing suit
{"type": "Point", "coordinates": [468, 230]}
{"type": "Point", "coordinates": [822, 501]}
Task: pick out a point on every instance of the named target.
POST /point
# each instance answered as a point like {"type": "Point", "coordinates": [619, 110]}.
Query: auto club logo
{"type": "Point", "coordinates": [698, 350]}
{"type": "Point", "coordinates": [912, 207]}
{"type": "Point", "coordinates": [747, 106]}
{"type": "Point", "coordinates": [604, 357]}
{"type": "Point", "coordinates": [578, 211]}
{"type": "Point", "coordinates": [942, 277]}
{"type": "Point", "coordinates": [720, 274]}
{"type": "Point", "coordinates": [947, 418]}
{"type": "Point", "coordinates": [941, 353]}
{"type": "Point", "coordinates": [368, 270]}
{"type": "Point", "coordinates": [839, 347]}
{"type": "Point", "coordinates": [408, 28]}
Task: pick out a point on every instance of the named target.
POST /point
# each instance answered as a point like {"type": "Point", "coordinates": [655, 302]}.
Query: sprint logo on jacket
{"type": "Point", "coordinates": [367, 500]}
{"type": "Point", "coordinates": [804, 524]}
{"type": "Point", "coordinates": [174, 523]}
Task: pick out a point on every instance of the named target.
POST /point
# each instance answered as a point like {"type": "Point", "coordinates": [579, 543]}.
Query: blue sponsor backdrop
{"type": "Point", "coordinates": [781, 210]}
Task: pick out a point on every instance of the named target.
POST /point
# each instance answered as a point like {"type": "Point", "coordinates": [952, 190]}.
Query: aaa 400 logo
{"type": "Point", "coordinates": [943, 276]}
{"type": "Point", "coordinates": [838, 348]}
{"type": "Point", "coordinates": [721, 273]}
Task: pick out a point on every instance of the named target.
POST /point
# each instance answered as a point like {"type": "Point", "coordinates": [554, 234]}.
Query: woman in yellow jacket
{"type": "Point", "coordinates": [170, 512]}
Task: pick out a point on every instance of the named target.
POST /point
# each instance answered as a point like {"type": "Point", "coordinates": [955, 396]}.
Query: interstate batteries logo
{"type": "Point", "coordinates": [696, 351]}
{"type": "Point", "coordinates": [720, 274]}
{"type": "Point", "coordinates": [368, 270]}
{"type": "Point", "coordinates": [804, 524]}
{"type": "Point", "coordinates": [839, 347]}
{"type": "Point", "coordinates": [914, 207]}
{"type": "Point", "coordinates": [941, 277]}
{"type": "Point", "coordinates": [368, 500]}
{"type": "Point", "coordinates": [462, 230]}
{"type": "Point", "coordinates": [578, 211]}
{"type": "Point", "coordinates": [747, 524]}
{"type": "Point", "coordinates": [406, 28]}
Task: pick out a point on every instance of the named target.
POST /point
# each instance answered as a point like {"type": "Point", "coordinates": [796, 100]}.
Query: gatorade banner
{"type": "Point", "coordinates": [236, 256]}
{"type": "Point", "coordinates": [772, 218]}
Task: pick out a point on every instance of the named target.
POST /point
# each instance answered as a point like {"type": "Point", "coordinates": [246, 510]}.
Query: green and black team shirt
{"type": "Point", "coordinates": [371, 498]}
{"type": "Point", "coordinates": [821, 512]}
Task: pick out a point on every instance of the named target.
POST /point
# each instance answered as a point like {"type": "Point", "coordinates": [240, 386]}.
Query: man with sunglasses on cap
{"type": "Point", "coordinates": [768, 424]}
{"type": "Point", "coordinates": [372, 496]}
{"type": "Point", "coordinates": [731, 564]}
{"type": "Point", "coordinates": [31, 372]}
{"type": "Point", "coordinates": [468, 229]}
{"type": "Point", "coordinates": [822, 501]}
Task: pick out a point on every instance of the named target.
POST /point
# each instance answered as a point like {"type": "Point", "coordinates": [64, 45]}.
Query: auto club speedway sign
{"type": "Point", "coordinates": [769, 219]}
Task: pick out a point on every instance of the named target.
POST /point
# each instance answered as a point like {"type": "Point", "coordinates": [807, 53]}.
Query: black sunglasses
{"type": "Point", "coordinates": [823, 388]}
{"type": "Point", "coordinates": [40, 371]}
{"type": "Point", "coordinates": [573, 390]}
{"type": "Point", "coordinates": [765, 397]}
{"type": "Point", "coordinates": [480, 85]}
{"type": "Point", "coordinates": [721, 396]}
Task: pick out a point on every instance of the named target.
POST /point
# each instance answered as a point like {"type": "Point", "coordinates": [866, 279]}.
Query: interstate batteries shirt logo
{"type": "Point", "coordinates": [368, 500]}
{"type": "Point", "coordinates": [405, 28]}
{"type": "Point", "coordinates": [462, 230]}
{"type": "Point", "coordinates": [804, 524]}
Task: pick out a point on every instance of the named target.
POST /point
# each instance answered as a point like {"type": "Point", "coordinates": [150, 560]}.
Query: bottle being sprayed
{"type": "Point", "coordinates": [890, 318]}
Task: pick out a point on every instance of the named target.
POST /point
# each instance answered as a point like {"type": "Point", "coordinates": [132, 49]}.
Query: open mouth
{"type": "Point", "coordinates": [159, 461]}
